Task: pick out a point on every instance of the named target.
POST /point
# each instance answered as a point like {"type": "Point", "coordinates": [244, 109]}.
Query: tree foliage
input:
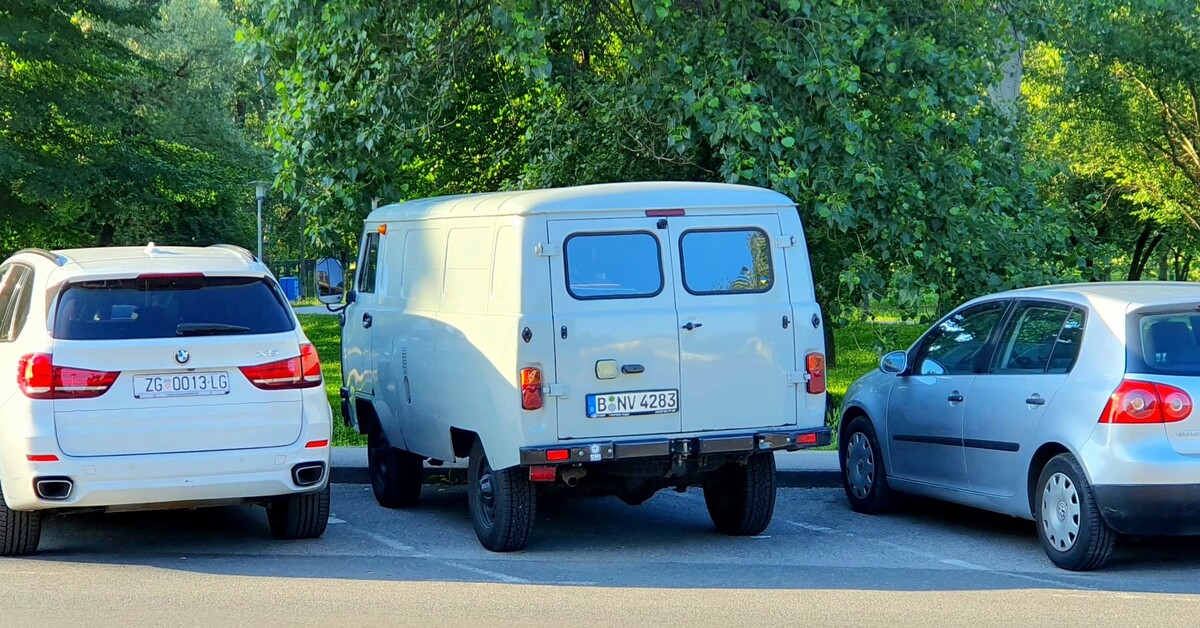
{"type": "Point", "coordinates": [873, 115]}
{"type": "Point", "coordinates": [119, 124]}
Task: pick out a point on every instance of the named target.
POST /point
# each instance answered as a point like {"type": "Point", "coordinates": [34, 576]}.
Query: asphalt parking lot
{"type": "Point", "coordinates": [590, 560]}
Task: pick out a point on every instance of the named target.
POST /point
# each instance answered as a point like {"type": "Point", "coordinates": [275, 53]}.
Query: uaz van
{"type": "Point", "coordinates": [623, 338]}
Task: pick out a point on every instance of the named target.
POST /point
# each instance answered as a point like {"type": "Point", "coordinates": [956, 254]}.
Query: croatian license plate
{"type": "Point", "coordinates": [181, 385]}
{"type": "Point", "coordinates": [605, 405]}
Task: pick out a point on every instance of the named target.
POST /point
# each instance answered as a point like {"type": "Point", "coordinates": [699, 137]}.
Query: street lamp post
{"type": "Point", "coordinates": [260, 194]}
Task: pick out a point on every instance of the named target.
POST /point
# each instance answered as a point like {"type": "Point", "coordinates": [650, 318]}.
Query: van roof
{"type": "Point", "coordinates": [605, 197]}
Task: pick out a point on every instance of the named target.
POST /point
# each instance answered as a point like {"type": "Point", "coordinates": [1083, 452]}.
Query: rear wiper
{"type": "Point", "coordinates": [208, 329]}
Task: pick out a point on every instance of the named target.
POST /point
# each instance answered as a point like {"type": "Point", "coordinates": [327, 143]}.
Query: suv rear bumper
{"type": "Point", "coordinates": [1150, 509]}
{"type": "Point", "coordinates": [165, 480]}
{"type": "Point", "coordinates": [666, 448]}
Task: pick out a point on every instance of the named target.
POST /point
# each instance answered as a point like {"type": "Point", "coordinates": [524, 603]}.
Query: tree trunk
{"type": "Point", "coordinates": [1142, 251]}
{"type": "Point", "coordinates": [1164, 268]}
{"type": "Point", "coordinates": [107, 233]}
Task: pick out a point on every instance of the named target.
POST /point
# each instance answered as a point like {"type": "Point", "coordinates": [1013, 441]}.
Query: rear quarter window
{"type": "Point", "coordinates": [1164, 343]}
{"type": "Point", "coordinates": [170, 307]}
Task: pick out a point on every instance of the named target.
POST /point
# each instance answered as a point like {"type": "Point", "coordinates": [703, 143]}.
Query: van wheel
{"type": "Point", "coordinates": [302, 516]}
{"type": "Point", "coordinates": [502, 503]}
{"type": "Point", "coordinates": [1068, 520]}
{"type": "Point", "coordinates": [864, 477]}
{"type": "Point", "coordinates": [20, 532]}
{"type": "Point", "coordinates": [396, 475]}
{"type": "Point", "coordinates": [741, 497]}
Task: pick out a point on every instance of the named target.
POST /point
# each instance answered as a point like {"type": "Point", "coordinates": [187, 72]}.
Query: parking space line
{"type": "Point", "coordinates": [412, 553]}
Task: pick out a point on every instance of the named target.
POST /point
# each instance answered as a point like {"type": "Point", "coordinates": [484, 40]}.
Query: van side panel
{"type": "Point", "coordinates": [809, 339]}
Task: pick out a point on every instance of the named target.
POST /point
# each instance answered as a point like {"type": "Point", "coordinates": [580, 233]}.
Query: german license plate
{"type": "Point", "coordinates": [181, 385]}
{"type": "Point", "coordinates": [605, 405]}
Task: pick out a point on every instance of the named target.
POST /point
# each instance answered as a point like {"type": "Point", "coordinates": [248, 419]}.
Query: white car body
{"type": "Point", "coordinates": [123, 451]}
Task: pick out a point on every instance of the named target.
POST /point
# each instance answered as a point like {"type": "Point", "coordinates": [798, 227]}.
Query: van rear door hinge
{"type": "Point", "coordinates": [785, 241]}
{"type": "Point", "coordinates": [555, 390]}
{"type": "Point", "coordinates": [798, 377]}
{"type": "Point", "coordinates": [545, 249]}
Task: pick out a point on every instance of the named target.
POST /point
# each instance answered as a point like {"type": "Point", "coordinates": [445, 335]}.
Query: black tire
{"type": "Point", "coordinates": [502, 503]}
{"type": "Point", "coordinates": [302, 516]}
{"type": "Point", "coordinates": [864, 476]}
{"type": "Point", "coordinates": [20, 532]}
{"type": "Point", "coordinates": [396, 475]}
{"type": "Point", "coordinates": [741, 497]}
{"type": "Point", "coordinates": [1064, 489]}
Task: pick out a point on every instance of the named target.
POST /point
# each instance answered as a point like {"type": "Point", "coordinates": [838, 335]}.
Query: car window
{"type": "Point", "coordinates": [9, 296]}
{"type": "Point", "coordinates": [1066, 348]}
{"type": "Point", "coordinates": [1030, 338]}
{"type": "Point", "coordinates": [726, 261]}
{"type": "Point", "coordinates": [956, 345]}
{"type": "Point", "coordinates": [1166, 343]}
{"type": "Point", "coordinates": [366, 276]}
{"type": "Point", "coordinates": [168, 307]}
{"type": "Point", "coordinates": [613, 265]}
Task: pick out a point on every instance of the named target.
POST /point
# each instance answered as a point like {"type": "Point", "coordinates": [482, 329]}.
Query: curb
{"type": "Point", "coordinates": [785, 478]}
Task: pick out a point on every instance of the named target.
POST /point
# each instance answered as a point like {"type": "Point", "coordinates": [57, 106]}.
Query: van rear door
{"type": "Point", "coordinates": [615, 328]}
{"type": "Point", "coordinates": [737, 327]}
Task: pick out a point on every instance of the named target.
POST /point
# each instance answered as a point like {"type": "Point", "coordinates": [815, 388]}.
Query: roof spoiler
{"type": "Point", "coordinates": [236, 249]}
{"type": "Point", "coordinates": [58, 260]}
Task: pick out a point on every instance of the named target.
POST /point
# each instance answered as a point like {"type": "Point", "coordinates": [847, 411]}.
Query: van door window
{"type": "Point", "coordinates": [726, 261]}
{"type": "Point", "coordinates": [366, 276]}
{"type": "Point", "coordinates": [613, 266]}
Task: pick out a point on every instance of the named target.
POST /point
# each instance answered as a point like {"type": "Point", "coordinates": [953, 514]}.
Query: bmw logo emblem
{"type": "Point", "coordinates": [182, 356]}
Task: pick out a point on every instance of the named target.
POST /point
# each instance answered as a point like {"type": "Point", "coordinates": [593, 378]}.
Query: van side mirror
{"type": "Point", "coordinates": [331, 281]}
{"type": "Point", "coordinates": [894, 363]}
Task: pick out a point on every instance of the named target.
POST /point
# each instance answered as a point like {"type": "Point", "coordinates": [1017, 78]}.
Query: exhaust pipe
{"type": "Point", "coordinates": [308, 473]}
{"type": "Point", "coordinates": [571, 475]}
{"type": "Point", "coordinates": [54, 489]}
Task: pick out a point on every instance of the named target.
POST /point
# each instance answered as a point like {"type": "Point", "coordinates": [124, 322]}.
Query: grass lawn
{"type": "Point", "coordinates": [859, 346]}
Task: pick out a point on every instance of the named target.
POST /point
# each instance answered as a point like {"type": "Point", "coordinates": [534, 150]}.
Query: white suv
{"type": "Point", "coordinates": [156, 377]}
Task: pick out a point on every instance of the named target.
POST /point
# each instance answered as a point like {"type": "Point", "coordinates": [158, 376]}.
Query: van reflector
{"type": "Point", "coordinates": [814, 365]}
{"type": "Point", "coordinates": [531, 388]}
{"type": "Point", "coordinates": [806, 439]}
{"type": "Point", "coordinates": [664, 213]}
{"type": "Point", "coordinates": [542, 474]}
{"type": "Point", "coordinates": [41, 457]}
{"type": "Point", "coordinates": [555, 455]}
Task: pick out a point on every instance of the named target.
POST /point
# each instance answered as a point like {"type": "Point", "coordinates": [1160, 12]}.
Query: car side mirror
{"type": "Point", "coordinates": [331, 281]}
{"type": "Point", "coordinates": [894, 363]}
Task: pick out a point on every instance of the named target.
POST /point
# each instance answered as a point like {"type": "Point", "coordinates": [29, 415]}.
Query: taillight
{"type": "Point", "coordinates": [39, 378]}
{"type": "Point", "coordinates": [303, 371]}
{"type": "Point", "coordinates": [531, 388]}
{"type": "Point", "coordinates": [814, 365]}
{"type": "Point", "coordinates": [1146, 402]}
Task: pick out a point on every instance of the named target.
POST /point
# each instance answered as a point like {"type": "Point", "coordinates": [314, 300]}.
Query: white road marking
{"type": "Point", "coordinates": [412, 553]}
{"type": "Point", "coordinates": [334, 520]}
{"type": "Point", "coordinates": [494, 575]}
{"type": "Point", "coordinates": [815, 528]}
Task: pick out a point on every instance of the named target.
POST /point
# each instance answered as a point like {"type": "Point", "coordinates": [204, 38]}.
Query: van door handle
{"type": "Point", "coordinates": [1036, 400]}
{"type": "Point", "coordinates": [955, 397]}
{"type": "Point", "coordinates": [367, 320]}
{"type": "Point", "coordinates": [690, 326]}
{"type": "Point", "coordinates": [633, 369]}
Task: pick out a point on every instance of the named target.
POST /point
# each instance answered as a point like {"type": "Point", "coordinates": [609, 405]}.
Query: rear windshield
{"type": "Point", "coordinates": [164, 307]}
{"type": "Point", "coordinates": [1166, 343]}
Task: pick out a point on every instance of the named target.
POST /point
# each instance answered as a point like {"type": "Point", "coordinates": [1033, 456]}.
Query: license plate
{"type": "Point", "coordinates": [604, 405]}
{"type": "Point", "coordinates": [181, 385]}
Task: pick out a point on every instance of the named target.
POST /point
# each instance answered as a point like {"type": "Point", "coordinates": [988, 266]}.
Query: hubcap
{"type": "Point", "coordinates": [1060, 512]}
{"type": "Point", "coordinates": [487, 495]}
{"type": "Point", "coordinates": [860, 465]}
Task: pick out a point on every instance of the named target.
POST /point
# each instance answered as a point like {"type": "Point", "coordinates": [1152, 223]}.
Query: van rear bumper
{"type": "Point", "coordinates": [665, 448]}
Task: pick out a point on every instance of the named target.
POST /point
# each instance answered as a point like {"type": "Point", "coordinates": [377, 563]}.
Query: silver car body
{"type": "Point", "coordinates": [981, 439]}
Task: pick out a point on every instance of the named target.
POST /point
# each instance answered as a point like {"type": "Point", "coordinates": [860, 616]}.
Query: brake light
{"type": "Point", "coordinates": [146, 276]}
{"type": "Point", "coordinates": [39, 378]}
{"type": "Point", "coordinates": [557, 455]}
{"type": "Point", "coordinates": [1146, 402]}
{"type": "Point", "coordinates": [531, 388]}
{"type": "Point", "coordinates": [664, 213]}
{"type": "Point", "coordinates": [814, 365]}
{"type": "Point", "coordinates": [303, 371]}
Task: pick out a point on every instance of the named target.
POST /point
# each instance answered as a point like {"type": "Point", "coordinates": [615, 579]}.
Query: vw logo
{"type": "Point", "coordinates": [182, 356]}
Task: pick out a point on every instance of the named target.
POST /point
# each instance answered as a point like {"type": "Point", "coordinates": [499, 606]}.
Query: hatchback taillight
{"type": "Point", "coordinates": [1146, 402]}
{"type": "Point", "coordinates": [814, 365]}
{"type": "Point", "coordinates": [303, 371]}
{"type": "Point", "coordinates": [39, 378]}
{"type": "Point", "coordinates": [531, 388]}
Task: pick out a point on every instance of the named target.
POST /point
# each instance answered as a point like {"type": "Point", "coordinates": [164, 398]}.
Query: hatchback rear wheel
{"type": "Point", "coordinates": [1073, 533]}
{"type": "Point", "coordinates": [864, 477]}
{"type": "Point", "coordinates": [20, 532]}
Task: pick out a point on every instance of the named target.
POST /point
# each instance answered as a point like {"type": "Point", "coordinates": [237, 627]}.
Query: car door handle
{"type": "Point", "coordinates": [955, 397]}
{"type": "Point", "coordinates": [367, 320]}
{"type": "Point", "coordinates": [690, 326]}
{"type": "Point", "coordinates": [1035, 400]}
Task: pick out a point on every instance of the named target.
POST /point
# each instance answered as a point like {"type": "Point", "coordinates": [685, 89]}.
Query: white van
{"type": "Point", "coordinates": [623, 337]}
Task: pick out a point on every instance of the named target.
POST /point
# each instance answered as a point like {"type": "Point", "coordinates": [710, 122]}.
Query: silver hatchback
{"type": "Point", "coordinates": [1070, 405]}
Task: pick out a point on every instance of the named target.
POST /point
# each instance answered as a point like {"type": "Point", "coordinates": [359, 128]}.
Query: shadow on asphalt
{"type": "Point", "coordinates": [575, 535]}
